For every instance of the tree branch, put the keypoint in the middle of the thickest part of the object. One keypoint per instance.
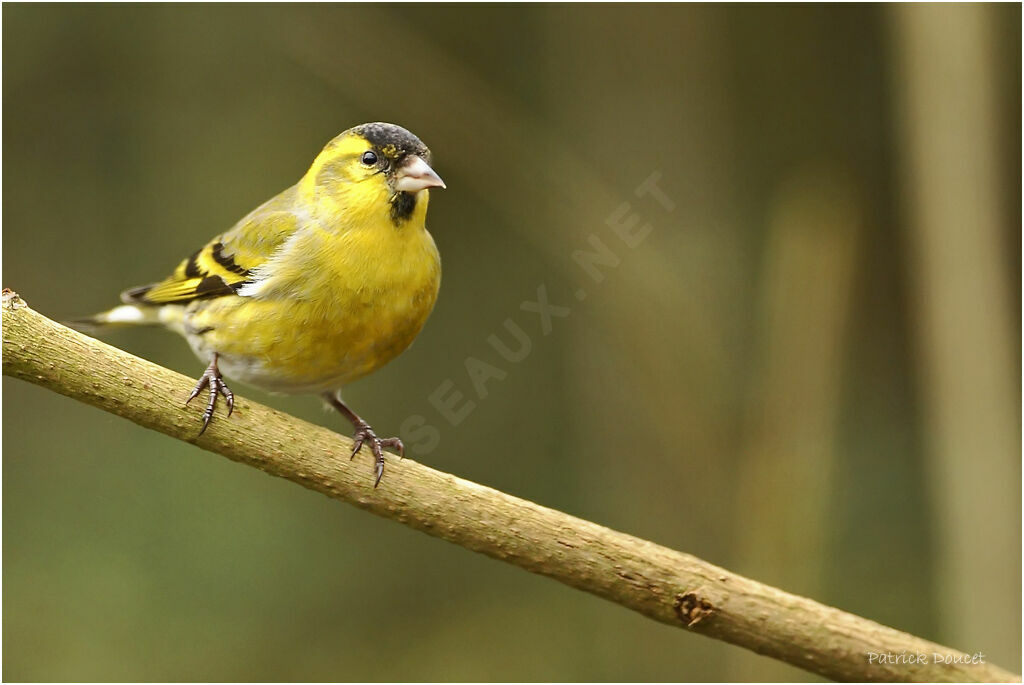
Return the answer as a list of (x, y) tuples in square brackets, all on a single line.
[(660, 583)]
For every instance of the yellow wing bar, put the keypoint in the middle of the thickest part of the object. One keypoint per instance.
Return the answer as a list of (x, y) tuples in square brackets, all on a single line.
[(210, 272)]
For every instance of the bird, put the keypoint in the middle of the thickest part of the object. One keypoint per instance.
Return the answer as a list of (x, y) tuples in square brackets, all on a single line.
[(319, 286)]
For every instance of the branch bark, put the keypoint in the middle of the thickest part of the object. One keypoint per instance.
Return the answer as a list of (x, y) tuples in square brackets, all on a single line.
[(668, 586)]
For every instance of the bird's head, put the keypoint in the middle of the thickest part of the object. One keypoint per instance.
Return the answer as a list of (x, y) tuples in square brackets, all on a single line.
[(373, 169)]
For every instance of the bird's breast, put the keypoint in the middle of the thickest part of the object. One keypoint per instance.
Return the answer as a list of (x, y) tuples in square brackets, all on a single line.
[(349, 306)]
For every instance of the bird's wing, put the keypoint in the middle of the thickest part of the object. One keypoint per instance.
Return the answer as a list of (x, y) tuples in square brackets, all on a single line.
[(225, 263)]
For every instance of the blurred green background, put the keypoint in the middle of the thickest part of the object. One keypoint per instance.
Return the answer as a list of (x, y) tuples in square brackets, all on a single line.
[(808, 372)]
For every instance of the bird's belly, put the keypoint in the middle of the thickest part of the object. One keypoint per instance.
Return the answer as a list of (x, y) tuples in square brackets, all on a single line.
[(300, 347)]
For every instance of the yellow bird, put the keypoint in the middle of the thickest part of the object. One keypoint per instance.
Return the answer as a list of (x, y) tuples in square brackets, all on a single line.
[(318, 286)]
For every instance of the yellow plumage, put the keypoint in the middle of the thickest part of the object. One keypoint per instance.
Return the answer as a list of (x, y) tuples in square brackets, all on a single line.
[(320, 285)]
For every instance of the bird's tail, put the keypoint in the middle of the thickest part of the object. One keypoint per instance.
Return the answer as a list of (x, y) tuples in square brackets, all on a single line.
[(132, 315)]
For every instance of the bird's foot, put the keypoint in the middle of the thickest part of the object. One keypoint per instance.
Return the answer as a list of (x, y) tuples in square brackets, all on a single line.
[(365, 434), (212, 379)]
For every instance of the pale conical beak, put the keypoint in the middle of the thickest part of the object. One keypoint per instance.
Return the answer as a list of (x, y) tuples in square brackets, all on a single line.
[(415, 175)]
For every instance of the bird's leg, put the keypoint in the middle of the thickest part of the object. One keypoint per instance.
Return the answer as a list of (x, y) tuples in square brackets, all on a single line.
[(212, 379), (365, 434)]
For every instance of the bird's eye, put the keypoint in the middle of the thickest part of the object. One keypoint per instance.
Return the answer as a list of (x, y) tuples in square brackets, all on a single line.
[(369, 158)]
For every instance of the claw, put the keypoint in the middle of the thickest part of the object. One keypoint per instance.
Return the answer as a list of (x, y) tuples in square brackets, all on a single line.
[(212, 379), (195, 391), (395, 444), (365, 435)]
